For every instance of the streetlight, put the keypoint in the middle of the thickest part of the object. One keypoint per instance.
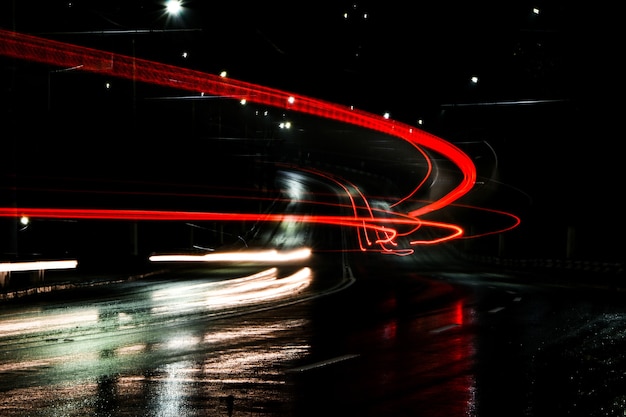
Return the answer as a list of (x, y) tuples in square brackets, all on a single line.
[(174, 7)]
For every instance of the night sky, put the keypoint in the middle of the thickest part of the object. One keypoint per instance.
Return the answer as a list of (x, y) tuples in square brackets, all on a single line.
[(381, 56)]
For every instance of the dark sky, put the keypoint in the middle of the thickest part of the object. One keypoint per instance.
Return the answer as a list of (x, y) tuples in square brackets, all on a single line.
[(401, 58)]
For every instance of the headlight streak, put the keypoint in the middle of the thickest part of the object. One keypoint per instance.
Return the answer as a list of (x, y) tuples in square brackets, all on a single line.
[(269, 255), (261, 287), (264, 286), (65, 55), (37, 265)]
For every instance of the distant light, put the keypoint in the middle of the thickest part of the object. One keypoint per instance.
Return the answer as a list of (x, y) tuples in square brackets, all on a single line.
[(185, 55), (223, 74), (285, 125), (386, 115), (420, 121), (291, 100), (24, 220), (243, 101), (107, 86), (174, 7), (474, 80), (535, 10)]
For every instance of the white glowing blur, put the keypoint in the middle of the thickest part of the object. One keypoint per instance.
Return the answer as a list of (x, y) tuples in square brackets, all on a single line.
[(263, 286), (174, 7), (47, 322), (37, 265), (270, 255)]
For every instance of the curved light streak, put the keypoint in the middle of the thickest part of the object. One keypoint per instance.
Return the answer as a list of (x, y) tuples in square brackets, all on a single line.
[(33, 48), (47, 51)]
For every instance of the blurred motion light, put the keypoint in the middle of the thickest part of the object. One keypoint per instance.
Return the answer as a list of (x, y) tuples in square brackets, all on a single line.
[(37, 265), (249, 256), (363, 217)]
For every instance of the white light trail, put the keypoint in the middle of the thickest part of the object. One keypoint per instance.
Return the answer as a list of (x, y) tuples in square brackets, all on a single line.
[(37, 265)]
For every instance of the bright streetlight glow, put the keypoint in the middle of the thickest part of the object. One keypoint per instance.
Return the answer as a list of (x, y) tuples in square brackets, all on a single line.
[(174, 7)]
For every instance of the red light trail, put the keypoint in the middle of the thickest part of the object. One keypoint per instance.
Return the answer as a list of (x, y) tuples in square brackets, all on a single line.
[(384, 228)]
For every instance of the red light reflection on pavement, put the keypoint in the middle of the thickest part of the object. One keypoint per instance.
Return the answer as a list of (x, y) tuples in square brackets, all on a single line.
[(375, 227)]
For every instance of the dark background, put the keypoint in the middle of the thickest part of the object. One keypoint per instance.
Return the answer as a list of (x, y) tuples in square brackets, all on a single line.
[(547, 100)]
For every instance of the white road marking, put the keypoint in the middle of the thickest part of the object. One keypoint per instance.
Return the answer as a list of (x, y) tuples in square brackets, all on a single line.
[(444, 328), (324, 363)]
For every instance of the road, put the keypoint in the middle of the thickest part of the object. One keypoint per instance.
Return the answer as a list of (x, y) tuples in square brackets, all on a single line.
[(391, 341)]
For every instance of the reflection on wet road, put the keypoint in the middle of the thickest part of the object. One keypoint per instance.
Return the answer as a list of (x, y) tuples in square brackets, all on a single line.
[(398, 344), (147, 349)]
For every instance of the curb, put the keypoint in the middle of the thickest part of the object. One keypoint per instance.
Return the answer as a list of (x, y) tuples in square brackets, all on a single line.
[(68, 285)]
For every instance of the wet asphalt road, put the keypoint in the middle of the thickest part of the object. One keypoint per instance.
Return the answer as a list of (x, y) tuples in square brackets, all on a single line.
[(398, 343)]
